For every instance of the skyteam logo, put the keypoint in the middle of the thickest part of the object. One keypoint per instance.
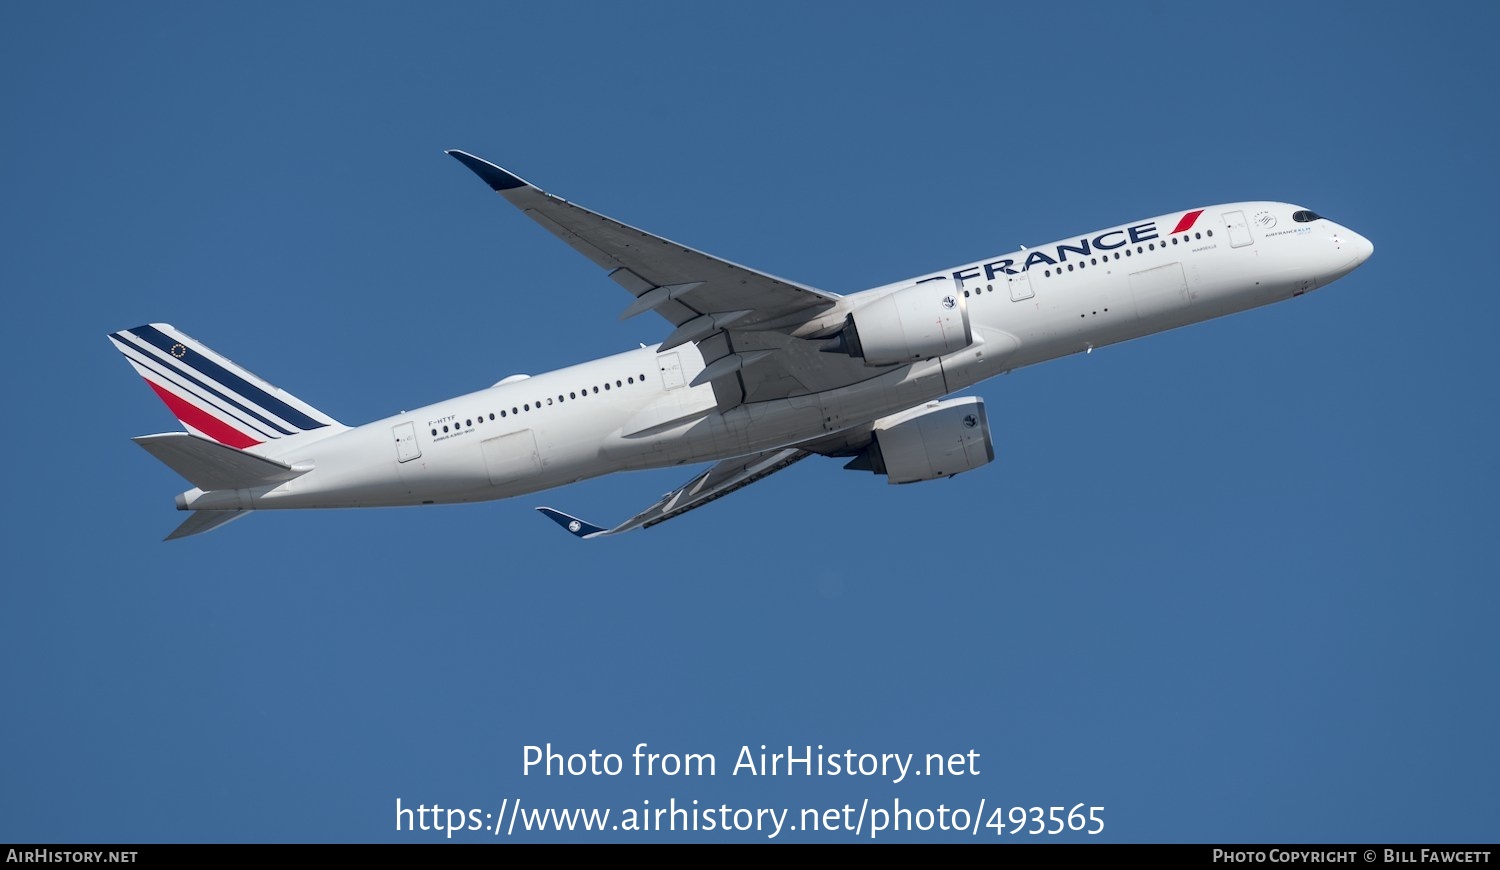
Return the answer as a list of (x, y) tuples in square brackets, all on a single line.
[(949, 302)]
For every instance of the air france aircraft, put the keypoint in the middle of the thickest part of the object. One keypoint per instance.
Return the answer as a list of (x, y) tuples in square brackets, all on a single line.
[(756, 373)]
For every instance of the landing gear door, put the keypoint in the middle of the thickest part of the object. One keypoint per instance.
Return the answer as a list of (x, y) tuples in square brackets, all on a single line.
[(406, 442)]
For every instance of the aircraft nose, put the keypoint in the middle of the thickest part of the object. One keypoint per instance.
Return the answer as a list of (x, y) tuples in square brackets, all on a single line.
[(1351, 248), (1346, 251)]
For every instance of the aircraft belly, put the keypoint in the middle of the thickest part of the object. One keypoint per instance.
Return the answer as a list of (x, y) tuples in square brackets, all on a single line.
[(896, 391), (994, 351), (758, 426), (1222, 285)]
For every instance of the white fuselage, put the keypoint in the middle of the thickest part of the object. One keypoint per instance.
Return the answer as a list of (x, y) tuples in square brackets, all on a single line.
[(637, 410)]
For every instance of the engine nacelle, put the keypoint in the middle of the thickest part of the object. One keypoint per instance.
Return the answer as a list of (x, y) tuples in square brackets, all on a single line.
[(923, 321), (938, 439)]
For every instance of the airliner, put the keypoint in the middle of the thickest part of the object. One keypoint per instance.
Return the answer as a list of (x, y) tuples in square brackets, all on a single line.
[(756, 373)]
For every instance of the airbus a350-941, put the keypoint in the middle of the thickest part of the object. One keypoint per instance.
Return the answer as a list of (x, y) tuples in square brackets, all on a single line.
[(755, 373)]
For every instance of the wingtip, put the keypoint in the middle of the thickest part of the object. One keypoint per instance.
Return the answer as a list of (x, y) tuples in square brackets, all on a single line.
[(498, 179), (571, 524)]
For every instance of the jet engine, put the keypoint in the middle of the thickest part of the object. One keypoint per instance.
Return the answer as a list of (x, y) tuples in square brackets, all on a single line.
[(938, 439), (919, 322)]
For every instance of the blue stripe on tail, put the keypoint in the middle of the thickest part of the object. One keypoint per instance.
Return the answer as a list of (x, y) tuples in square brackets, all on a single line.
[(215, 372)]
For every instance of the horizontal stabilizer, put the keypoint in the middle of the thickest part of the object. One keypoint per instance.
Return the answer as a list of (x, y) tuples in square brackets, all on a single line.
[(204, 521), (210, 465)]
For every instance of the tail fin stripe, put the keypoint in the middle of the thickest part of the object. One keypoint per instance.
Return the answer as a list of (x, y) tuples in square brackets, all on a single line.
[(218, 374), (150, 366), (204, 404), (192, 415)]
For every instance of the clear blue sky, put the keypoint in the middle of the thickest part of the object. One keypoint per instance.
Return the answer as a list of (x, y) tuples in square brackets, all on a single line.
[(1233, 583)]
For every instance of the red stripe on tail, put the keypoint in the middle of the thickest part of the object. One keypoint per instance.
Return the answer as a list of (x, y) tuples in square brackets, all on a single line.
[(1187, 222), (199, 419)]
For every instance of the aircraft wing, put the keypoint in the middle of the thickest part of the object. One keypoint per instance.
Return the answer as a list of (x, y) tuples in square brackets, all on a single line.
[(719, 480), (741, 319), (677, 282)]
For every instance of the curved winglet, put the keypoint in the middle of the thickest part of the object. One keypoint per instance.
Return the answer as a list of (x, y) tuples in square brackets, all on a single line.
[(497, 178), (574, 526)]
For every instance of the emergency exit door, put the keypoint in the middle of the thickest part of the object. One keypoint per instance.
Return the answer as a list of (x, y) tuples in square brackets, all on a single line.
[(1239, 230), (406, 442)]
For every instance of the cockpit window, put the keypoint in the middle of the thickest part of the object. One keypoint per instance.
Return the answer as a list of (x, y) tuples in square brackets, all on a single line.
[(1304, 217)]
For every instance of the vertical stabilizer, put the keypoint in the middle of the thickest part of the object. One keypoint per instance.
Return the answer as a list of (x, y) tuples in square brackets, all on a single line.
[(212, 396)]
